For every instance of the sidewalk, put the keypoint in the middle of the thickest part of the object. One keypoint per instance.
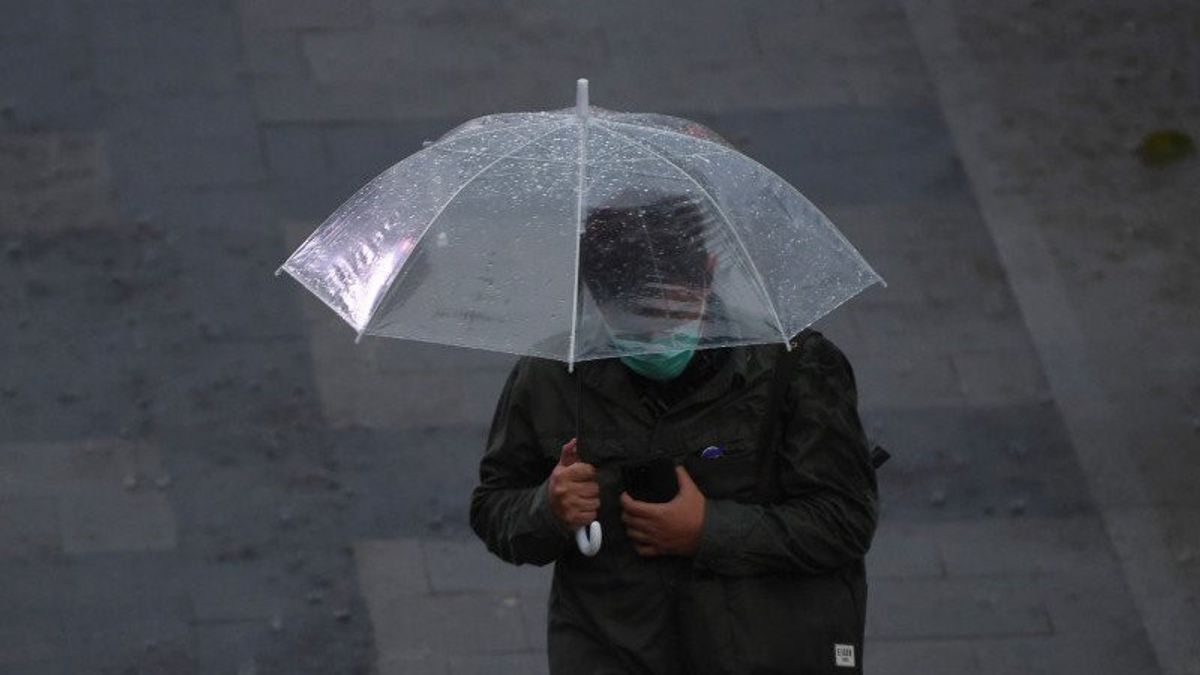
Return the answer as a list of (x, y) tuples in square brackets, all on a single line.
[(208, 476)]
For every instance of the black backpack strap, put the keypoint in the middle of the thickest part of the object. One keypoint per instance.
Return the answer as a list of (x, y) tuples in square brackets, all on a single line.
[(879, 456), (785, 366)]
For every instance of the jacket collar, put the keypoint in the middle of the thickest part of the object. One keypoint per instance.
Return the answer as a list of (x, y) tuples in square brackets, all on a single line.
[(611, 379)]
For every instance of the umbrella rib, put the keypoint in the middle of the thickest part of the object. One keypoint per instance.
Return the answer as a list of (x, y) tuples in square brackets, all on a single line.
[(578, 241), (483, 132), (392, 277), (762, 287)]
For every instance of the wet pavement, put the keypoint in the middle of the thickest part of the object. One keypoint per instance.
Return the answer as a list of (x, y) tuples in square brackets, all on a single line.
[(200, 472)]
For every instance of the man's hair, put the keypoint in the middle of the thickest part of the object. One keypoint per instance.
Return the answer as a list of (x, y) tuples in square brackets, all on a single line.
[(628, 251)]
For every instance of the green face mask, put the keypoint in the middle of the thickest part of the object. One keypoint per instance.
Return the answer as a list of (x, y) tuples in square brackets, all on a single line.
[(664, 365)]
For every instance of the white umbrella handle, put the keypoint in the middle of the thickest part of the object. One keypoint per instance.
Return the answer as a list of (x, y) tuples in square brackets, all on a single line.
[(588, 546)]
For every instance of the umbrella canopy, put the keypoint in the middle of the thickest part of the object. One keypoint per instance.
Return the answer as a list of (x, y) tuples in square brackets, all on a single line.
[(576, 234)]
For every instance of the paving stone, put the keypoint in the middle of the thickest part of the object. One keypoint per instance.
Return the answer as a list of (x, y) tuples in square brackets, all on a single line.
[(107, 521), (920, 380), (955, 608), (164, 56), (274, 53), (845, 155), (997, 546), (982, 461), (389, 571), (295, 152), (283, 100), (174, 120), (230, 647), (307, 14), (1092, 604), (30, 528), (535, 610), (459, 566), (52, 667), (122, 645), (417, 663), (108, 591), (221, 161), (500, 663), (51, 182), (63, 468), (905, 550), (242, 592), (39, 594), (1156, 548), (437, 624), (887, 227), (99, 489), (1038, 655), (920, 657)]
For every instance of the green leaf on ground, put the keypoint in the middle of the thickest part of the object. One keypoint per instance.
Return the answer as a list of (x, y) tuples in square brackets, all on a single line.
[(1165, 146)]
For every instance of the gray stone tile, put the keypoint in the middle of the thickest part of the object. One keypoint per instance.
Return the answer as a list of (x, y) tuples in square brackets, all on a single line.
[(999, 546), (230, 647), (963, 463), (416, 663), (35, 598), (839, 156), (922, 380), (1046, 655), (135, 645), (107, 521), (306, 14), (390, 570), (61, 468), (359, 152), (447, 624), (167, 58), (273, 53), (955, 608), (243, 592), (52, 667), (524, 664), (1156, 547), (920, 657), (904, 550), (295, 152), (458, 566), (52, 182), (111, 589), (291, 99), (998, 377), (535, 611), (1093, 603), (219, 161), (172, 121), (30, 528)]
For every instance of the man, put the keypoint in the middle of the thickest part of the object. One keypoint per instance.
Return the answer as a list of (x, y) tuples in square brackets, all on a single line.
[(558, 439)]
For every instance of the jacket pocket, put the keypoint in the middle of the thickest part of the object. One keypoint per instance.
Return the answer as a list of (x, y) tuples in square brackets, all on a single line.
[(731, 474)]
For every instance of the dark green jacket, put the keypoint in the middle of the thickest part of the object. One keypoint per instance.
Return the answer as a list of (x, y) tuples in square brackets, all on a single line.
[(616, 612)]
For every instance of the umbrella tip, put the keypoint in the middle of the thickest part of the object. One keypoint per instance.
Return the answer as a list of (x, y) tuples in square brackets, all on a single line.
[(581, 97)]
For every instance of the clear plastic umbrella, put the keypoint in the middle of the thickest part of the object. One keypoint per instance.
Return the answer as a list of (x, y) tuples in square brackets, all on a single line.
[(579, 234)]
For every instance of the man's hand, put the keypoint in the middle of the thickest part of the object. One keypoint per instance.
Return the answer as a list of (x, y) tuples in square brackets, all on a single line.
[(671, 528), (574, 492)]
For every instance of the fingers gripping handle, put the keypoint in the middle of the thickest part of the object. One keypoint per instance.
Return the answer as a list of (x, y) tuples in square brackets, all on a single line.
[(586, 538)]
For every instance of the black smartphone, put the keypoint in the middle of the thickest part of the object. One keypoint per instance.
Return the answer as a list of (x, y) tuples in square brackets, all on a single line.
[(651, 480)]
